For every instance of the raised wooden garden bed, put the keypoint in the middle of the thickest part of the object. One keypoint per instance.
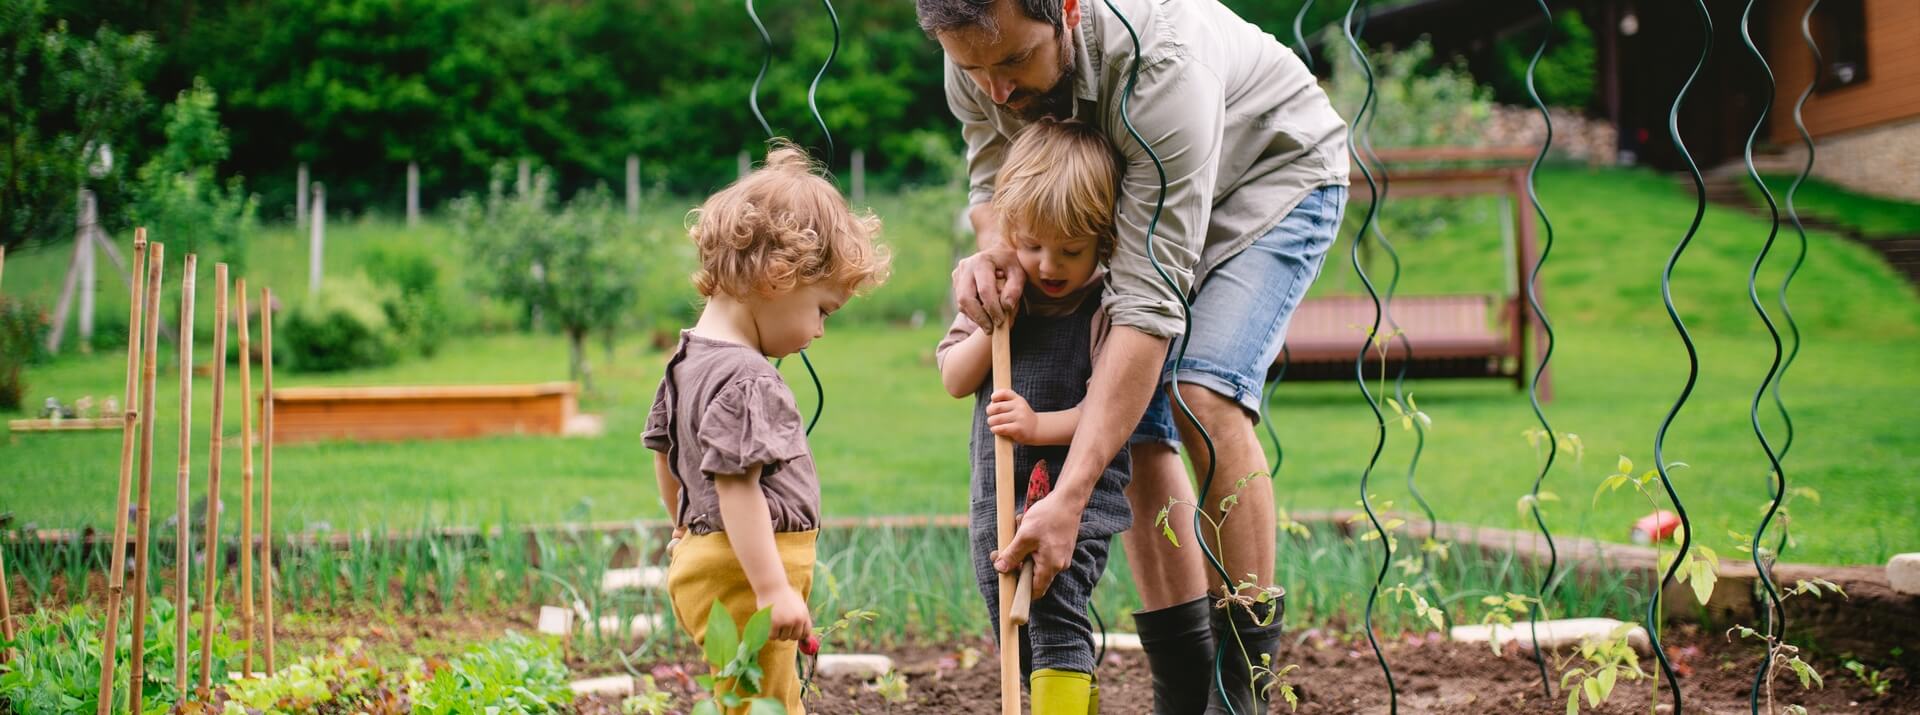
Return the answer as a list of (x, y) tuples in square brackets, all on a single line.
[(309, 414), (70, 424)]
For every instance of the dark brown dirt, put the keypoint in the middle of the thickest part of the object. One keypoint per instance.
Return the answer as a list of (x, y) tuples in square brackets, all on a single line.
[(1433, 676)]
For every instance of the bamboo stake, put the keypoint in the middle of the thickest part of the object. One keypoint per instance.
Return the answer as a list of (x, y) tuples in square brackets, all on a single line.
[(211, 585), (117, 577), (1003, 516), (183, 519), (246, 479), (143, 512), (6, 604), (266, 465)]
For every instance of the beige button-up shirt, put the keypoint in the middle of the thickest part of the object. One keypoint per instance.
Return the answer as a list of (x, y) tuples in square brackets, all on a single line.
[(1239, 123)]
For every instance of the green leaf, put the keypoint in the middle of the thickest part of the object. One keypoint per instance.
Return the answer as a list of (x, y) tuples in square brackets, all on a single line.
[(723, 638), (1702, 581), (1573, 702), (1806, 673), (765, 706), (759, 626), (1592, 688), (1626, 465), (706, 707), (1607, 678)]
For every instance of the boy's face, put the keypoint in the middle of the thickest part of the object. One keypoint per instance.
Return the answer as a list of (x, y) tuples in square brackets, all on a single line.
[(788, 322), (1055, 263)]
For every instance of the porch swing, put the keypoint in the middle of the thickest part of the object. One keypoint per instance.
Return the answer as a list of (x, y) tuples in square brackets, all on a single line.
[(1472, 335)]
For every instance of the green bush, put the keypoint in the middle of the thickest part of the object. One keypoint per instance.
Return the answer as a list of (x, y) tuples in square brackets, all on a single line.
[(417, 308), (345, 328), (23, 342)]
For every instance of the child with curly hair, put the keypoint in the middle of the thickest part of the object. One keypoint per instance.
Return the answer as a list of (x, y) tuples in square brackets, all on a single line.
[(780, 250)]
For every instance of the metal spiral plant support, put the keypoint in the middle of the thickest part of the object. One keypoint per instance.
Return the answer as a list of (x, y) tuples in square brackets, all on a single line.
[(1186, 313), (1800, 256), (753, 104), (1546, 354), (1693, 360), (766, 60), (1359, 362), (815, 87), (1774, 625), (1306, 50)]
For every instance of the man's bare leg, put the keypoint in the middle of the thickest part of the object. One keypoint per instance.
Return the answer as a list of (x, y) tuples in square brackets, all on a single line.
[(1248, 534), (1165, 575)]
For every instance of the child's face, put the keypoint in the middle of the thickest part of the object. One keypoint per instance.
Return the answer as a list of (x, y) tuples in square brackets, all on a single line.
[(1056, 264), (788, 322)]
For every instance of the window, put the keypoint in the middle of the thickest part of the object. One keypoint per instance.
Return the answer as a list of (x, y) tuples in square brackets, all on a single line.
[(1840, 26)]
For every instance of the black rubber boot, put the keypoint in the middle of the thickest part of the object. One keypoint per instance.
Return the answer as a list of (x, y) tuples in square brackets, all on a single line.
[(1179, 645), (1235, 628)]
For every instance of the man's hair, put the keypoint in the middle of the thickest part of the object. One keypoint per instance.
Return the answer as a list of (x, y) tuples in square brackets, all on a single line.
[(938, 16), (1060, 176)]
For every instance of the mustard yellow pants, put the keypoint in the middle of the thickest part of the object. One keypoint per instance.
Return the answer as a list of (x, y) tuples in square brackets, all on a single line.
[(703, 569)]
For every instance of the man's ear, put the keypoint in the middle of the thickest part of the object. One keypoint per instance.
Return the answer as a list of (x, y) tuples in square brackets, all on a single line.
[(1070, 13)]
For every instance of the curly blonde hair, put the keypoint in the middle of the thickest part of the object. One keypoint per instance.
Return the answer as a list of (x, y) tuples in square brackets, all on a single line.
[(781, 227), (1060, 176)]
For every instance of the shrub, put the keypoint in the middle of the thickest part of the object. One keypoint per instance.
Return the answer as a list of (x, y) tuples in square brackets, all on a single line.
[(55, 669), (1566, 74), (418, 308), (23, 342), (177, 196), (345, 328)]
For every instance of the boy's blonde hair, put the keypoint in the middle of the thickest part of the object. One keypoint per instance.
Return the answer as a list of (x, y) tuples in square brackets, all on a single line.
[(781, 227), (1060, 176)]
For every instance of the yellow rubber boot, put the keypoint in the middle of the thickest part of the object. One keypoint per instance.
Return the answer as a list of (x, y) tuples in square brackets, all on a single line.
[(1093, 700), (1061, 692)]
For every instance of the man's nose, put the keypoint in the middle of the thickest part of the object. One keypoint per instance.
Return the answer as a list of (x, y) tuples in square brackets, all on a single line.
[(1000, 88)]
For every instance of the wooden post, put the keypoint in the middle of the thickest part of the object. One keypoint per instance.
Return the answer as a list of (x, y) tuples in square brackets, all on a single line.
[(117, 573), (6, 604), (246, 479), (211, 580), (68, 287), (183, 519), (1003, 517), (859, 177), (633, 187), (300, 197), (316, 239), (746, 163), (523, 181), (89, 279), (143, 512), (266, 465), (413, 194)]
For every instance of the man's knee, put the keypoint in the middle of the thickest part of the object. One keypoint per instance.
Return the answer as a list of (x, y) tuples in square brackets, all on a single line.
[(1214, 410)]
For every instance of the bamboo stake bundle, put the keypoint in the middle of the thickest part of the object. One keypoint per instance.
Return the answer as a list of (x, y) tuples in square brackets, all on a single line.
[(246, 479), (1003, 517), (130, 415), (211, 587), (266, 465), (183, 515), (143, 513)]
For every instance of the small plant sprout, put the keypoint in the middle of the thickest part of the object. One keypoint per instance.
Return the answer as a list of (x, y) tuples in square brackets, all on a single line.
[(1421, 608), (651, 700), (1875, 680), (892, 687), (1502, 609), (1607, 661), (1409, 413)]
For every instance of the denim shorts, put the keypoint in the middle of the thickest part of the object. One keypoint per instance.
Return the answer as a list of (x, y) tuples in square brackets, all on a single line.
[(1241, 311)]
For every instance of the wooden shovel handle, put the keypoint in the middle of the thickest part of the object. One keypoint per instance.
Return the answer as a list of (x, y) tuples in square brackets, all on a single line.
[(1022, 596), (1003, 513)]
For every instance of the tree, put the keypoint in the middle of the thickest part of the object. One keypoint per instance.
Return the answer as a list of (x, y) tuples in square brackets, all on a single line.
[(62, 97), (177, 195), (575, 265)]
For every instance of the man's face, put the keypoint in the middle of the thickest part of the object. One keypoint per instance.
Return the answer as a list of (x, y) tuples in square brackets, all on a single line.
[(1025, 66)]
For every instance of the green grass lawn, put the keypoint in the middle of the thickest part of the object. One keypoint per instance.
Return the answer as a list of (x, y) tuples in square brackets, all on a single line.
[(1872, 216), (891, 442)]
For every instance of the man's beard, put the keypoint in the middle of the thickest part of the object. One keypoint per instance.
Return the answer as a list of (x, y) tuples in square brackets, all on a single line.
[(1056, 102)]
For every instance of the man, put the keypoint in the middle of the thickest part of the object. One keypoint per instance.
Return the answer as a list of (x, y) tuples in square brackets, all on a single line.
[(1255, 183)]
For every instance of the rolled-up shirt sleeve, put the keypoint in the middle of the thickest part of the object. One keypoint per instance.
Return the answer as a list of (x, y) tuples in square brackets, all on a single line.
[(1177, 109), (986, 146)]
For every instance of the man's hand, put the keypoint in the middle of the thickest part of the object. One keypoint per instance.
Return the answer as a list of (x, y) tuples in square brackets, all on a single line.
[(791, 619), (1009, 416), (1047, 533), (986, 286)]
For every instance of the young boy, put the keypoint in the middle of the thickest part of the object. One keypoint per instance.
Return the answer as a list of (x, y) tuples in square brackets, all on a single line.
[(1055, 195)]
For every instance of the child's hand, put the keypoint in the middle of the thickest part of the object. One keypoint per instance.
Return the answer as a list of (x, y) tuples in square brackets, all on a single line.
[(791, 619), (1009, 416)]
